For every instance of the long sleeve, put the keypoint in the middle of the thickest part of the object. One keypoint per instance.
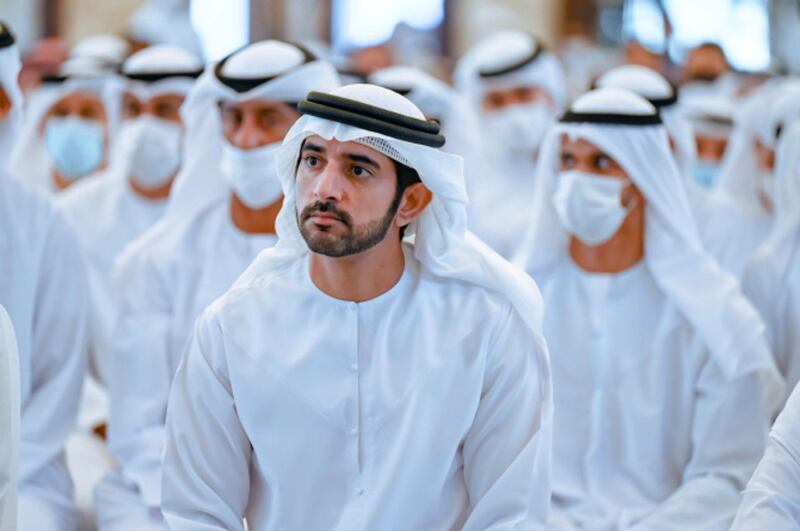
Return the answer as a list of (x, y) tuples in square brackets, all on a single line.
[(207, 453), (58, 352), (140, 375), (728, 437), (507, 451)]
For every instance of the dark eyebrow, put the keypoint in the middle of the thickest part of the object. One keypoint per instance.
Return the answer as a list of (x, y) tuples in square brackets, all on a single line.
[(364, 160), (308, 146)]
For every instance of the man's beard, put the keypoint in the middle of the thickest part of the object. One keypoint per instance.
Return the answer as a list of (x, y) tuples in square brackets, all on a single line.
[(356, 239)]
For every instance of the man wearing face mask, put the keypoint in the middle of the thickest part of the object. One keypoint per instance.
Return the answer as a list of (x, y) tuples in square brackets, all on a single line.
[(518, 88), (110, 209), (663, 381), (68, 126), (43, 287), (712, 119), (221, 215)]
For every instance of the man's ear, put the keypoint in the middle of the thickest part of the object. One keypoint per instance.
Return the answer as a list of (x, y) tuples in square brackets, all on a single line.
[(5, 103), (415, 199)]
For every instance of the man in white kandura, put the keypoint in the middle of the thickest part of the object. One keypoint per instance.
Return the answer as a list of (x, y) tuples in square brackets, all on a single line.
[(772, 279), (9, 422), (352, 379), (44, 289), (518, 88), (664, 384), (221, 215)]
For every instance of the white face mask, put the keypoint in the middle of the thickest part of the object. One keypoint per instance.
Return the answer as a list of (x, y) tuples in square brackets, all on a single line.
[(152, 150), (590, 206), (521, 127), (252, 174)]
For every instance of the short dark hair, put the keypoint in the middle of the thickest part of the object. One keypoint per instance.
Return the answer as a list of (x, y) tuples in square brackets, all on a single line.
[(406, 176)]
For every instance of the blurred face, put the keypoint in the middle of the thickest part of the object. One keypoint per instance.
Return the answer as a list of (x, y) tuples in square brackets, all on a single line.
[(636, 54), (765, 157), (164, 106), (78, 105), (495, 100), (346, 196), (256, 123), (5, 103), (706, 63), (710, 148), (583, 156)]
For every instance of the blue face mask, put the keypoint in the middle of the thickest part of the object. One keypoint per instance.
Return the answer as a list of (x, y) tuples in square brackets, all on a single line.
[(704, 174), (75, 145)]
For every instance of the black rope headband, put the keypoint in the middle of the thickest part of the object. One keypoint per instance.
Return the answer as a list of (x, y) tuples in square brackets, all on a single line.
[(606, 118), (6, 37), (152, 77), (525, 61), (371, 118), (241, 84)]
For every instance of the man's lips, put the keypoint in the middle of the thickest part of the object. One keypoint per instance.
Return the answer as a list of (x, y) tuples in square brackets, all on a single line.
[(324, 216)]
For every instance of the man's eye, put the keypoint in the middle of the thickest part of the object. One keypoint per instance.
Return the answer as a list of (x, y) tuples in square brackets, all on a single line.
[(360, 171), (567, 160), (602, 162), (311, 161)]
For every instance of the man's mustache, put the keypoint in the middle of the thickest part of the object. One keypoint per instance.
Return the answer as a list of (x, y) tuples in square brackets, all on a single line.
[(328, 208)]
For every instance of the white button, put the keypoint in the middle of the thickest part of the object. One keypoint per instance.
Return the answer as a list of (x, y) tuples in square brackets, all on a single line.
[(354, 367), (354, 432), (360, 492)]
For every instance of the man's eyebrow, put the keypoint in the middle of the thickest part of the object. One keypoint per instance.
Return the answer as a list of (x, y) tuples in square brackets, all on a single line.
[(310, 146), (363, 159)]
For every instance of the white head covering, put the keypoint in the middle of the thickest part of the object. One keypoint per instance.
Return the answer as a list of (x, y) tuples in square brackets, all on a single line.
[(267, 70), (161, 69), (709, 298), (655, 88), (30, 160), (165, 22), (739, 169), (9, 422), (437, 101), (110, 49), (439, 236), (9, 73), (504, 49)]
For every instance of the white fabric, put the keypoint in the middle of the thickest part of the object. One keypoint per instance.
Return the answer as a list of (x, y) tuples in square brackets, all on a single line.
[(772, 498), (165, 22), (501, 191), (30, 161), (649, 432), (9, 73), (446, 268), (674, 254), (772, 279), (198, 183), (106, 215), (44, 290), (160, 59), (410, 424), (104, 46), (165, 280), (9, 423)]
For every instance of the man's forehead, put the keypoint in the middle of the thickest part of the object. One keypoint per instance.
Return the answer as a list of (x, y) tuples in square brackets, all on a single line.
[(337, 147), (578, 143), (79, 96), (255, 103)]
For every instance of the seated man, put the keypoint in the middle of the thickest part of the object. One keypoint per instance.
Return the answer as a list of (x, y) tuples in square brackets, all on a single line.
[(772, 279), (517, 88), (664, 384), (221, 215), (43, 287), (354, 380)]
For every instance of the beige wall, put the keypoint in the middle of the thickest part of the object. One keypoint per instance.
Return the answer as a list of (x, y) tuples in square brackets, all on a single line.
[(81, 18), (476, 18)]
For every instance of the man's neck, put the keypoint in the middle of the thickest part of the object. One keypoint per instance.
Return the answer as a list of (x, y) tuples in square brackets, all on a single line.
[(360, 277), (254, 220), (153, 194), (623, 251), (60, 181)]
